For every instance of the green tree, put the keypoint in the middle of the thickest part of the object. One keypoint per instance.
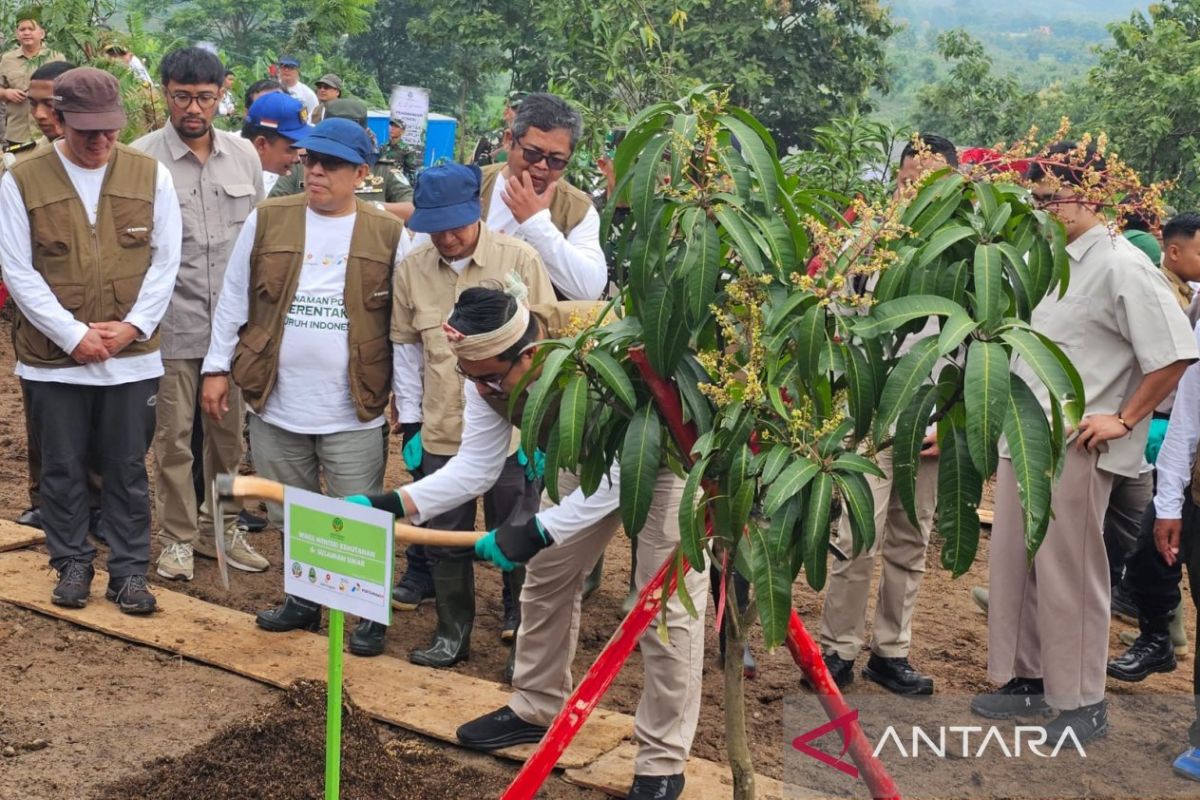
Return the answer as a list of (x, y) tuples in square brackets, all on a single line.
[(1144, 92)]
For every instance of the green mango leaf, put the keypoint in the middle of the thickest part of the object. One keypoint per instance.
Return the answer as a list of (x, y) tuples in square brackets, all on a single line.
[(781, 531), (540, 397), (773, 463), (860, 508), (554, 464), (688, 377), (990, 302), (784, 314), (946, 198), (701, 267), (985, 395), (861, 390), (685, 597), (640, 458), (959, 490), (1028, 437), (892, 314), (909, 374), (816, 530), (810, 338), (906, 447), (955, 331), (1052, 368), (612, 376), (941, 241), (772, 589), (790, 481), (572, 417), (666, 329), (762, 163), (692, 508), (998, 219), (744, 244), (647, 253), (858, 464), (644, 187)]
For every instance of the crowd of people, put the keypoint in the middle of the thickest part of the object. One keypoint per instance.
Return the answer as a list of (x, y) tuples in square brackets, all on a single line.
[(289, 282)]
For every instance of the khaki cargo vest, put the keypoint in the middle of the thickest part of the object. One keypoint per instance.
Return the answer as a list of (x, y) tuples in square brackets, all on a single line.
[(275, 263), (96, 272), (567, 209)]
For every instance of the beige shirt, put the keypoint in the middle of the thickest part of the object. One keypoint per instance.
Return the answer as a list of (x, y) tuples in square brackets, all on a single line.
[(424, 291), (15, 69), (214, 200), (1118, 322)]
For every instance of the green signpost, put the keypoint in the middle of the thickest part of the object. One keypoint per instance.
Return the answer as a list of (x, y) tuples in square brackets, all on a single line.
[(340, 555)]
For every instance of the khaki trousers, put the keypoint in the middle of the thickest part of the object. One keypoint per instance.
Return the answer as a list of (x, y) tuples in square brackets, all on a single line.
[(1050, 620), (666, 717), (174, 492), (903, 546)]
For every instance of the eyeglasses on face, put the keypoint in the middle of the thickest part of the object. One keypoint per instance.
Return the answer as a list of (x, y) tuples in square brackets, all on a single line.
[(184, 100), (533, 156), (493, 382)]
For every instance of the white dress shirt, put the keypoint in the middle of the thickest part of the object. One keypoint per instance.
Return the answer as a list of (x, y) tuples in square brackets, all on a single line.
[(1178, 449)]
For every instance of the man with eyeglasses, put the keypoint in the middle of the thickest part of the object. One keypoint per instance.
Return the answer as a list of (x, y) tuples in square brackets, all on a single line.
[(89, 239), (302, 329), (461, 253), (218, 182)]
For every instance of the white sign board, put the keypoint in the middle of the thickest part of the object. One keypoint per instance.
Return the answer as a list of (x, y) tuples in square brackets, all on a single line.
[(411, 104), (338, 554)]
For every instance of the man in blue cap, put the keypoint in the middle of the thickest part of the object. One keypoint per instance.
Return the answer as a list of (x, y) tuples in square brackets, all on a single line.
[(289, 78), (273, 124), (461, 252), (308, 284)]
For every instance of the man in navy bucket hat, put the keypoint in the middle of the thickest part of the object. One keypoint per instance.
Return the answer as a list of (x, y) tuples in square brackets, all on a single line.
[(308, 285), (461, 253)]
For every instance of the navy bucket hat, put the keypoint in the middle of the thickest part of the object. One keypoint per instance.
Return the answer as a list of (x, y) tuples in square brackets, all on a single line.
[(446, 197)]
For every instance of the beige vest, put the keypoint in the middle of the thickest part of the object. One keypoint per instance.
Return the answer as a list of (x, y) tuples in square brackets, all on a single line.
[(275, 264), (95, 271)]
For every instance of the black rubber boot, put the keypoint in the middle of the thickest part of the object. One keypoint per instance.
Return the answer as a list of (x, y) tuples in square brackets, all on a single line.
[(295, 613), (513, 581), (592, 582), (367, 639), (454, 588)]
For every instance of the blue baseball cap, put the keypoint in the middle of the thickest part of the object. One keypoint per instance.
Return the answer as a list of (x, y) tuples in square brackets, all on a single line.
[(288, 61), (340, 138), (281, 112), (446, 197)]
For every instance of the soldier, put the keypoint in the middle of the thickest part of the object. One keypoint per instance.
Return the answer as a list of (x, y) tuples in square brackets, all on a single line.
[(329, 87), (384, 185), (397, 153)]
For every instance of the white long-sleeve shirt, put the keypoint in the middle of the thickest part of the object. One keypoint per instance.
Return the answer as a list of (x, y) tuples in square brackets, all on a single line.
[(477, 466), (1178, 449), (41, 307)]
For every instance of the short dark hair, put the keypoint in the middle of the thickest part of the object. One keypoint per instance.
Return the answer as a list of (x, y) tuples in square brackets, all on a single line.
[(1060, 162), (251, 131), (51, 70), (192, 65), (229, 72), (547, 112), (265, 86), (1181, 226), (938, 145), (482, 310)]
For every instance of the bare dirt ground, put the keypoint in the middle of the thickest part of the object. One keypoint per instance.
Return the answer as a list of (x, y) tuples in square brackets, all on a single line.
[(110, 712)]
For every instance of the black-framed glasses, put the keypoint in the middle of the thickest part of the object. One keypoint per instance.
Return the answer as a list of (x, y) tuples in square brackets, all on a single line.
[(493, 382), (184, 100), (325, 162), (533, 156)]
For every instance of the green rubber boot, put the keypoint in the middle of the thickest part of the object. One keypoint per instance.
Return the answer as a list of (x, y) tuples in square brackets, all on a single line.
[(592, 582), (1178, 631), (454, 591)]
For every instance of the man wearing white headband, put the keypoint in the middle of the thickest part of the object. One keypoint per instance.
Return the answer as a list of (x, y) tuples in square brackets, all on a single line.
[(494, 338)]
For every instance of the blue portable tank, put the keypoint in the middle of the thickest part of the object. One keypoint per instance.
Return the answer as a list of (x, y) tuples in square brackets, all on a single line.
[(441, 132), (377, 121)]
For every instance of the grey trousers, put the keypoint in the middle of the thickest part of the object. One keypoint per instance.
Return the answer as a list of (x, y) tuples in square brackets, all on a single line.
[(116, 423), (350, 462)]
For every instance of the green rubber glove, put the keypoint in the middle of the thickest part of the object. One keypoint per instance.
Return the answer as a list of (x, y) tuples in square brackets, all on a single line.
[(535, 469), (389, 501), (413, 452), (1158, 432), (489, 550), (358, 499)]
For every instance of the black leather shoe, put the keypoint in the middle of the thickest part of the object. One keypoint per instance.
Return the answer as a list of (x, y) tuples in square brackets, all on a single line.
[(407, 595), (295, 613), (1020, 697), (897, 675), (1122, 603), (656, 787), (841, 670), (31, 517), (251, 522), (1086, 723), (501, 728), (74, 585), (1150, 652), (367, 639)]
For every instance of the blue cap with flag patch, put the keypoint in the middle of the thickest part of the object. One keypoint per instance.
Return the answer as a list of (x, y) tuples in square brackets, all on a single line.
[(281, 112)]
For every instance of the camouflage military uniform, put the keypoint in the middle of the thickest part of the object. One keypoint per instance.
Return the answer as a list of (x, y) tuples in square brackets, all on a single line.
[(401, 156), (385, 184)]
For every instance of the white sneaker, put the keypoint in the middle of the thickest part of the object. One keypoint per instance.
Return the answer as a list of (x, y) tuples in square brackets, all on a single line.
[(240, 554), (175, 562)]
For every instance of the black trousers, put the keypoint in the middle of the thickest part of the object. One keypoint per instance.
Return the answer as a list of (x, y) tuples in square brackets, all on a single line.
[(1155, 585), (34, 457), (116, 424)]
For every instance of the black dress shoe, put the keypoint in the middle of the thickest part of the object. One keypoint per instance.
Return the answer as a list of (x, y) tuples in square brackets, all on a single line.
[(407, 595), (897, 675), (293, 614), (1150, 652), (841, 670), (31, 517), (1020, 697), (367, 639), (1086, 723), (656, 787), (251, 522), (501, 728)]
